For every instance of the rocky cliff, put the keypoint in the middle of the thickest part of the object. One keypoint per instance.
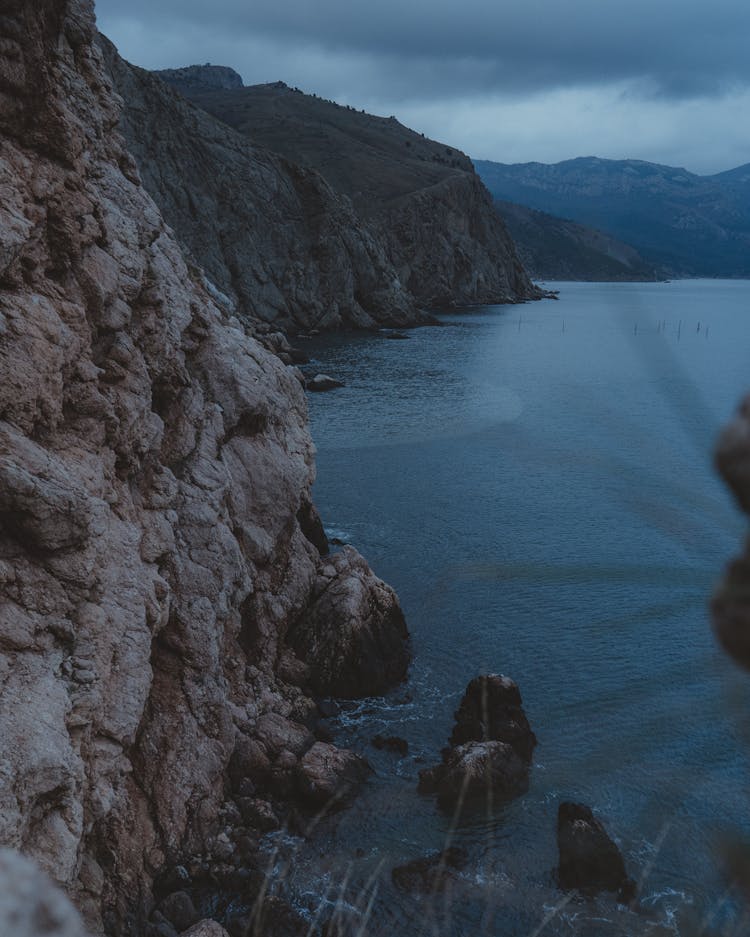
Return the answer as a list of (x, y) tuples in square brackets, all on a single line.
[(271, 235), (155, 473), (369, 222)]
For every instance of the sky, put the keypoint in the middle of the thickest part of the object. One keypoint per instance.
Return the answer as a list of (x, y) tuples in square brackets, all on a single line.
[(661, 80)]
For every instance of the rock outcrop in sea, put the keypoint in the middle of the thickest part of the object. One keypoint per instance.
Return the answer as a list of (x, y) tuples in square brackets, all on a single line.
[(297, 222), (489, 756), (155, 523)]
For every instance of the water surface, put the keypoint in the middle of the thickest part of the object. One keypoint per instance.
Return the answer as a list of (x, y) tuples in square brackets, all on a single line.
[(536, 483)]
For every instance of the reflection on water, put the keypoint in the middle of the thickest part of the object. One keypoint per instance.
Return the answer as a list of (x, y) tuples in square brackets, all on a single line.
[(536, 483)]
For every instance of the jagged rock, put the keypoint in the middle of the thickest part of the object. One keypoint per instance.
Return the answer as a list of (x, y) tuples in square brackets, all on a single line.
[(476, 773), (392, 743), (490, 749), (258, 814), (589, 859), (432, 873), (323, 382), (352, 637), (154, 459), (491, 710), (31, 905), (328, 776)]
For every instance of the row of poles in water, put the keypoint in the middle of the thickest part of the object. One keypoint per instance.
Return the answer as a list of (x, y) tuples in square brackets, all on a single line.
[(661, 327)]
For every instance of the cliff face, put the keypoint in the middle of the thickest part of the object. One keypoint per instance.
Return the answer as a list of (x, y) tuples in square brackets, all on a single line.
[(155, 468), (369, 223), (273, 236)]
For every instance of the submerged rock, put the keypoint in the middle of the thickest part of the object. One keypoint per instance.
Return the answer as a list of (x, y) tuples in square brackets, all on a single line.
[(589, 859), (323, 382), (392, 743), (431, 873)]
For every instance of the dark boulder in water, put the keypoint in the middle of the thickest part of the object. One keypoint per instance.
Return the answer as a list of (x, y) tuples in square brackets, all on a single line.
[(491, 710), (589, 859), (392, 743), (490, 749), (431, 873), (474, 774)]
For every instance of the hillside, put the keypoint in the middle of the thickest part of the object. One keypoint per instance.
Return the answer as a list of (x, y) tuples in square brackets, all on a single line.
[(557, 249), (688, 224), (420, 199)]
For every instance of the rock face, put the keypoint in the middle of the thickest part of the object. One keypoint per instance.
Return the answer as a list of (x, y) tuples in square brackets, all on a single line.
[(206, 77), (154, 461), (490, 750), (589, 859), (357, 222), (353, 636), (273, 236)]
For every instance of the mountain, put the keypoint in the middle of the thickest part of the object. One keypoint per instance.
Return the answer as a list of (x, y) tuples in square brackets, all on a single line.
[(420, 201), (687, 224), (557, 249)]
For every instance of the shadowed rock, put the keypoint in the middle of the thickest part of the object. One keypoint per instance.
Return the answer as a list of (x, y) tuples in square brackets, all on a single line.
[(490, 749), (328, 776), (491, 711), (431, 873), (589, 859)]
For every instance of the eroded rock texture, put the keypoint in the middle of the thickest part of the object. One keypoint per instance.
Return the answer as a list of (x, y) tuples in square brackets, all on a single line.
[(153, 464), (312, 215)]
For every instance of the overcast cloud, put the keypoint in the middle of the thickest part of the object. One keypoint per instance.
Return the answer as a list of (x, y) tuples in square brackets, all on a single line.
[(665, 80)]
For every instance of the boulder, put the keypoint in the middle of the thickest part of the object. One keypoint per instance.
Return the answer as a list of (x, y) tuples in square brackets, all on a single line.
[(353, 636), (179, 910), (491, 710), (392, 743), (474, 773), (490, 749), (431, 873), (589, 859), (329, 777)]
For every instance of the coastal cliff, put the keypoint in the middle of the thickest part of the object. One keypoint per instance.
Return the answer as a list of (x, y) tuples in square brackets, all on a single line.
[(155, 475), (311, 215)]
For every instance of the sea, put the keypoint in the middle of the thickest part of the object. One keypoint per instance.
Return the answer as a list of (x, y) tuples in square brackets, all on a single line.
[(537, 483)]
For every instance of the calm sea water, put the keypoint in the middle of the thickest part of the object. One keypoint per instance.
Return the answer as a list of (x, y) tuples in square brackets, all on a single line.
[(536, 483)]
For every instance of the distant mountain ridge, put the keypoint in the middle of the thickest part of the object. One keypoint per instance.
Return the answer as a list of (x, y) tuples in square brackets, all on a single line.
[(554, 248), (681, 222)]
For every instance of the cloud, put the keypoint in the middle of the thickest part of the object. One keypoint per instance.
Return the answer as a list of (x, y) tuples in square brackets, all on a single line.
[(422, 47), (569, 76)]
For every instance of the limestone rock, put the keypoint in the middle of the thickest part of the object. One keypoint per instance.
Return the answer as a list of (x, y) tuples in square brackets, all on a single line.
[(323, 382), (154, 459), (589, 859), (205, 928), (328, 776), (353, 635)]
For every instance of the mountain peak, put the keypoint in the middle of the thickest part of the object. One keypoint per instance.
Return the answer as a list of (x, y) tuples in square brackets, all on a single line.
[(208, 77)]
